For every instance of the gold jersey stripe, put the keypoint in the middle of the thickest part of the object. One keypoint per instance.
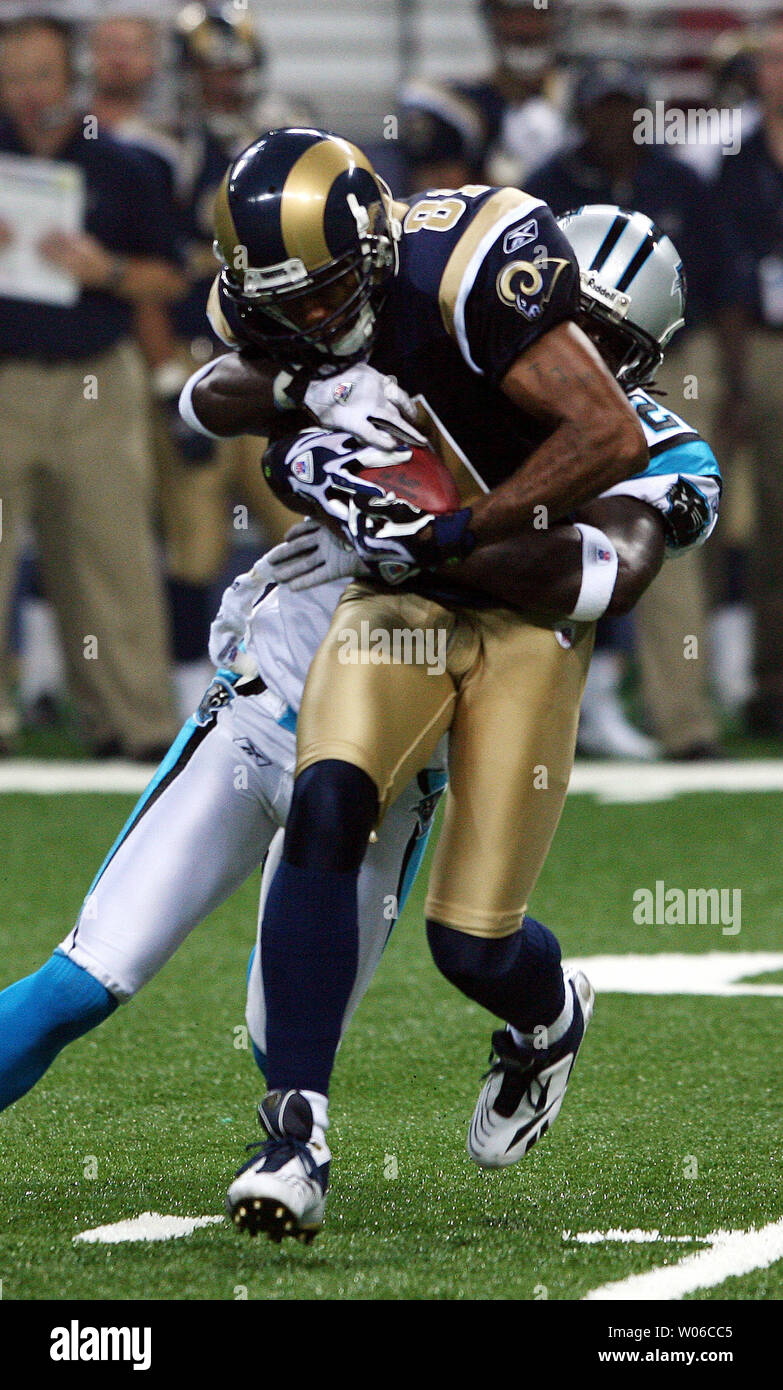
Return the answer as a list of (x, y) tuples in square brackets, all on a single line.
[(216, 316), (502, 202), (305, 192), (469, 481)]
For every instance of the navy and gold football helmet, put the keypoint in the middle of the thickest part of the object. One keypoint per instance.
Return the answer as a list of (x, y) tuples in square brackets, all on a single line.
[(307, 238), (218, 36)]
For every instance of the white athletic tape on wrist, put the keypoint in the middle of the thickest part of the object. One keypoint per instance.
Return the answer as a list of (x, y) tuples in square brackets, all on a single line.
[(599, 574), (186, 402)]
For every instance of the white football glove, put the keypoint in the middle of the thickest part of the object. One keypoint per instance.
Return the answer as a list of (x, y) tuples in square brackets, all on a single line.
[(230, 625), (366, 404), (323, 467), (311, 555)]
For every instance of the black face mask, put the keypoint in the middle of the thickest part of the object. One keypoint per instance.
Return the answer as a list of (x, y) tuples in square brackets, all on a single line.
[(285, 342)]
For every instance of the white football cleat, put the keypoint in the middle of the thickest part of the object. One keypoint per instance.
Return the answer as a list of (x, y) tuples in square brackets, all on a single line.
[(281, 1190), (524, 1088)]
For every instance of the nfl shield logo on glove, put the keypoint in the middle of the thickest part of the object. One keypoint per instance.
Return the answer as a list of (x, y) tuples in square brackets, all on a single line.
[(395, 571), (302, 467)]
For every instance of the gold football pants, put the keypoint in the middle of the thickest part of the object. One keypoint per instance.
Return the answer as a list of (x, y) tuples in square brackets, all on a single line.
[(396, 671)]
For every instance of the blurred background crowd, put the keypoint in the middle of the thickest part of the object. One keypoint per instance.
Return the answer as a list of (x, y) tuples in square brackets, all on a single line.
[(119, 526)]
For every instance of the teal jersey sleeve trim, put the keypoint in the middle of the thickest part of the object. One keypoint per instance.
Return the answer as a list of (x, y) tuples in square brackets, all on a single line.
[(288, 719), (695, 457)]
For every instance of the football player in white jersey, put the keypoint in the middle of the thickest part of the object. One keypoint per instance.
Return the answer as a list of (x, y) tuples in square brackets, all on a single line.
[(202, 826)]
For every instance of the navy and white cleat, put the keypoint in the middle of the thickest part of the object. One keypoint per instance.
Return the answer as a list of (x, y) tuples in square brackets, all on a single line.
[(525, 1087), (281, 1190)]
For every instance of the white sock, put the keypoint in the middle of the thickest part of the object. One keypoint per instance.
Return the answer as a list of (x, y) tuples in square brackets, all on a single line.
[(319, 1105)]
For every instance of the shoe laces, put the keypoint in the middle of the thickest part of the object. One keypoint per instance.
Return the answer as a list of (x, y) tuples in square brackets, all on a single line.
[(281, 1150), (506, 1057), (516, 1065)]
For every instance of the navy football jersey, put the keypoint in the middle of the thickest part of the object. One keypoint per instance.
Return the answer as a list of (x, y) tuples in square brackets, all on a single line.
[(483, 273), (453, 121)]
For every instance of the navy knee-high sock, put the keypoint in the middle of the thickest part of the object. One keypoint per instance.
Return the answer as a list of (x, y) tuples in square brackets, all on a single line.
[(309, 956), (39, 1015), (310, 932), (516, 977)]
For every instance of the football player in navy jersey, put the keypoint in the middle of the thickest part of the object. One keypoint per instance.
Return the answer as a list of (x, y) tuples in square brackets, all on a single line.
[(167, 868), (469, 298), (497, 127)]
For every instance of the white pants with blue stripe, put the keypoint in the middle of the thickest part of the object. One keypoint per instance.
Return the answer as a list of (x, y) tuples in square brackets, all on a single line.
[(206, 821)]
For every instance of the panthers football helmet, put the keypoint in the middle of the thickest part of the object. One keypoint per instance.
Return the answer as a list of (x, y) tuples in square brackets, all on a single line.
[(633, 289), (307, 239)]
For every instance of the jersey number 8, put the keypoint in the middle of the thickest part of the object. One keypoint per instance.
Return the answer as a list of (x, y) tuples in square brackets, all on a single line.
[(441, 210)]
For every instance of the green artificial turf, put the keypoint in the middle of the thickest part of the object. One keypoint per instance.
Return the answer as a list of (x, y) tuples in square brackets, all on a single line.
[(159, 1101)]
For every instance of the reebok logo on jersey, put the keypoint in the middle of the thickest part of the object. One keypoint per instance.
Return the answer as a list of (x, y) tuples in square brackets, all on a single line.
[(247, 746), (520, 236)]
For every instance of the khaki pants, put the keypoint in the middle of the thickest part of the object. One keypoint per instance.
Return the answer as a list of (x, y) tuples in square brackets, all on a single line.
[(673, 610), (765, 375), (76, 462)]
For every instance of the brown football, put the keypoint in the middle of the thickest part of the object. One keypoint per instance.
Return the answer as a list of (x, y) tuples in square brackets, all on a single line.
[(422, 479)]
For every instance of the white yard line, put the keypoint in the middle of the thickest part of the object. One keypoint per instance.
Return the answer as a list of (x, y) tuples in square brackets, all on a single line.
[(150, 1225), (610, 782), (639, 782), (634, 1237), (53, 778), (731, 1253), (715, 973)]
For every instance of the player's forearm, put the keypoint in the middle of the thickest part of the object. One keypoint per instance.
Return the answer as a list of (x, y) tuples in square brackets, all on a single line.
[(596, 439), (235, 397), (536, 572), (541, 572), (576, 463)]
